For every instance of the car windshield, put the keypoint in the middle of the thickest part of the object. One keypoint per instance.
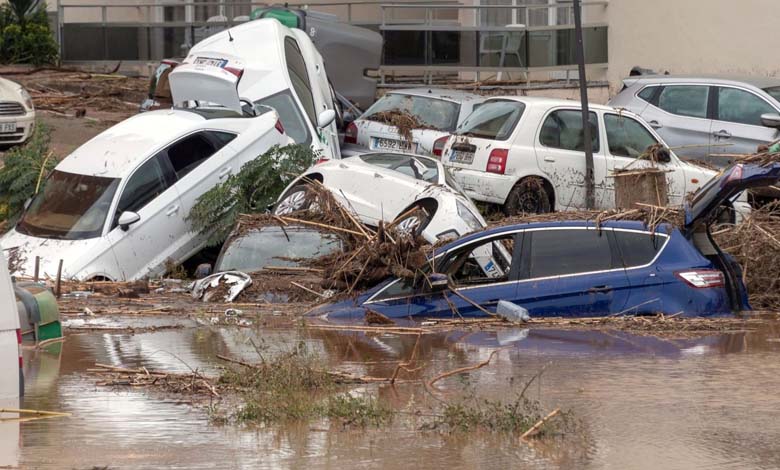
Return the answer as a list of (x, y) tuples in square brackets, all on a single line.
[(274, 246), (431, 112), (774, 92), (418, 168), (493, 120), (69, 207)]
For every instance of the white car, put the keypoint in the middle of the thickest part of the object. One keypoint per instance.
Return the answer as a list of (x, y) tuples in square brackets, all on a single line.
[(386, 186), (509, 145), (17, 114), (11, 375), (116, 207), (440, 110), (277, 67)]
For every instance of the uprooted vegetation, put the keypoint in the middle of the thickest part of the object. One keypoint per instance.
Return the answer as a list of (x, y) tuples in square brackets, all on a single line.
[(404, 121)]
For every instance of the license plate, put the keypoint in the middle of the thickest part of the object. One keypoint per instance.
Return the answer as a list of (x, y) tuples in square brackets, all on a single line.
[(211, 62), (7, 127), (391, 144), (457, 156)]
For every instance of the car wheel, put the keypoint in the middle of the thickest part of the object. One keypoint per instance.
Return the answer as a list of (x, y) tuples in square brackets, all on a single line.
[(299, 198), (529, 196), (413, 222)]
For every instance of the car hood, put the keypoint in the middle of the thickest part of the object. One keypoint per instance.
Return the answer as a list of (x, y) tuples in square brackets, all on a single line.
[(724, 186), (9, 91), (76, 254)]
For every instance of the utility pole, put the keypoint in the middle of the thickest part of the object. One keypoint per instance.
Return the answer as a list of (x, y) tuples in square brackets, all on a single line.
[(590, 186)]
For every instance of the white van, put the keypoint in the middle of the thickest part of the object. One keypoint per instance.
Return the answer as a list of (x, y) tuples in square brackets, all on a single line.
[(11, 376)]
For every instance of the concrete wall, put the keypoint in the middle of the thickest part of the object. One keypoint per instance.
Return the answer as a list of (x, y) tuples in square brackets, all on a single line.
[(738, 37)]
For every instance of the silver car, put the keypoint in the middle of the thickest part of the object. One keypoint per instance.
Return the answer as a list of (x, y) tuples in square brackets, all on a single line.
[(704, 117)]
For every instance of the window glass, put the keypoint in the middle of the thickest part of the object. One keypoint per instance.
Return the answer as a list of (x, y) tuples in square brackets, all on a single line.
[(69, 207), (638, 249), (561, 252), (647, 93), (431, 112), (742, 107), (221, 138), (486, 263), (563, 130), (774, 92), (495, 120), (685, 100), (417, 168), (299, 77), (290, 115), (626, 137), (188, 153), (144, 185)]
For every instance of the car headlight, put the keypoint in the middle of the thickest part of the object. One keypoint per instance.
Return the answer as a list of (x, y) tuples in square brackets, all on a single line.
[(26, 99), (468, 216)]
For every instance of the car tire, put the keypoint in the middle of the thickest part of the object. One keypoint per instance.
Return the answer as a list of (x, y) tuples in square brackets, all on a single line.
[(299, 198), (413, 222), (529, 196)]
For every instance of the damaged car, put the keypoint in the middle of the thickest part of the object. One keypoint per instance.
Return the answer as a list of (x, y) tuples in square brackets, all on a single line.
[(389, 187), (417, 121), (578, 268)]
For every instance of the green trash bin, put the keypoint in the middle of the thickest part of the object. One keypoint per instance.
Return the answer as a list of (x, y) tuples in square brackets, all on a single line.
[(287, 17)]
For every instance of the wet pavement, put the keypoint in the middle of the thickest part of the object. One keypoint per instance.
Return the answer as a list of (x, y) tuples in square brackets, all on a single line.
[(644, 401)]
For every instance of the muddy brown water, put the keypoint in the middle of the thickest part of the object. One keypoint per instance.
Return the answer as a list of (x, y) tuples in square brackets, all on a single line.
[(644, 402)]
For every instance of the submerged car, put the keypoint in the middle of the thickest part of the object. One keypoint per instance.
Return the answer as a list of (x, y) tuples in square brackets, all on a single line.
[(575, 268), (386, 187), (17, 114), (527, 155), (11, 373), (439, 111), (116, 208)]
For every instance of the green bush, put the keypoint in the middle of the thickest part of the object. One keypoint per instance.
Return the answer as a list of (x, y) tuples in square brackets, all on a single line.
[(25, 36)]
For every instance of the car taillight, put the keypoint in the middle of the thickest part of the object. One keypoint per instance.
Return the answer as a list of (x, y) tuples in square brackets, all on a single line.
[(497, 161), (19, 342), (351, 134), (735, 175), (279, 127), (438, 145), (234, 71), (322, 160), (702, 278)]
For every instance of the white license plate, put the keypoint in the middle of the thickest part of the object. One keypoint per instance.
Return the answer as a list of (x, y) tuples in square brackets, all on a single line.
[(211, 62), (457, 156), (380, 143), (7, 127)]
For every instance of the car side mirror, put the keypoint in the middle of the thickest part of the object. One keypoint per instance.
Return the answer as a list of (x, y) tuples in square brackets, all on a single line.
[(438, 282), (771, 120), (325, 118), (127, 219), (664, 155)]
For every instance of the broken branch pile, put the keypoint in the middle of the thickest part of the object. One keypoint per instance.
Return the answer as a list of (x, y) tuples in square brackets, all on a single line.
[(192, 383), (404, 121), (652, 216)]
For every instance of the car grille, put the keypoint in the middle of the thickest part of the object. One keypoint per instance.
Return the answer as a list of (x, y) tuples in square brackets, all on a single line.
[(11, 108)]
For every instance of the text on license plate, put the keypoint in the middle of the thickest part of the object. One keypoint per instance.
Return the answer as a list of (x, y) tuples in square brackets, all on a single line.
[(211, 62), (7, 127), (458, 156), (391, 144)]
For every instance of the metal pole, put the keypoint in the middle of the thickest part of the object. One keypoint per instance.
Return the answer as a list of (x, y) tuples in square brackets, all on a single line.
[(590, 197)]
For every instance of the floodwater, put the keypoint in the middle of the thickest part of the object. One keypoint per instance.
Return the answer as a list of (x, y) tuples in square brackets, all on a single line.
[(644, 402)]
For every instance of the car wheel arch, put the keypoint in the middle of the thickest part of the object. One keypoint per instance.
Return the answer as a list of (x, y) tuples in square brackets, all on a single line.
[(546, 184)]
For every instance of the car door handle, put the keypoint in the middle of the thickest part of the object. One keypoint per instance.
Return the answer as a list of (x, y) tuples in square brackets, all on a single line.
[(723, 134), (377, 175), (172, 210), (600, 289), (655, 124), (224, 172), (549, 159)]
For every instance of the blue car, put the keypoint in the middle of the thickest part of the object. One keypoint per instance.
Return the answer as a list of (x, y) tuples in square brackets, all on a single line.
[(575, 269)]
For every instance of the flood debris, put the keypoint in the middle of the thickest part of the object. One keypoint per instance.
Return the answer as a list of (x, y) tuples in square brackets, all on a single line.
[(404, 121), (227, 284), (180, 383)]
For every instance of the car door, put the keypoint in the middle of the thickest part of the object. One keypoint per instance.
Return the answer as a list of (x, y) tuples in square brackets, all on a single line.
[(571, 272), (143, 248), (638, 250), (736, 125), (679, 114), (560, 153), (627, 139)]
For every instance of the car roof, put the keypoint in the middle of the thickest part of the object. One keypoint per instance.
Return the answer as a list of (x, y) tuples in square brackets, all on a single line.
[(550, 102), (121, 148), (440, 93), (758, 82)]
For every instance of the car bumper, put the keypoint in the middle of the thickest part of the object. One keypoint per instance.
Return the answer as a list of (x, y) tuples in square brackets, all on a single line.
[(25, 124), (483, 186)]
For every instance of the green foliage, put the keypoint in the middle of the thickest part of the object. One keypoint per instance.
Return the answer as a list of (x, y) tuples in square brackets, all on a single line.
[(25, 36), (25, 166), (256, 186), (469, 415)]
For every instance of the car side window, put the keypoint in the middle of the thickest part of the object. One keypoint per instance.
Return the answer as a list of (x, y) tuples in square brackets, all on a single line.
[(647, 93), (685, 100), (299, 76), (562, 129), (189, 152), (742, 107), (562, 252), (292, 120), (147, 182), (639, 248), (626, 137), (486, 263)]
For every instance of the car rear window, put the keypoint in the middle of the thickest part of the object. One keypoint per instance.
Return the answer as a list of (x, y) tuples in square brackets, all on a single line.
[(639, 248), (494, 120), (432, 112), (562, 252), (417, 168)]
